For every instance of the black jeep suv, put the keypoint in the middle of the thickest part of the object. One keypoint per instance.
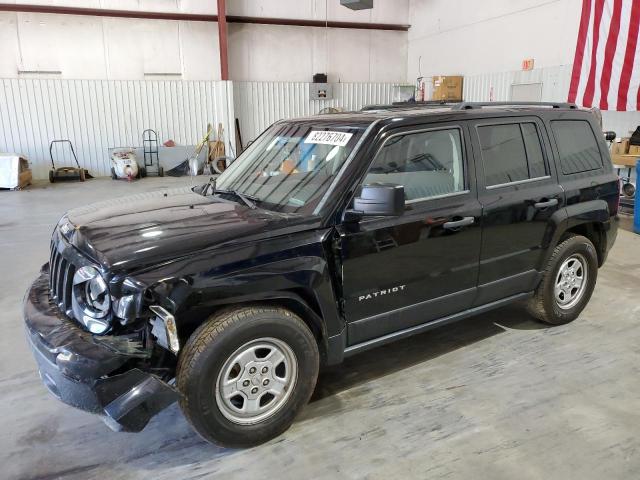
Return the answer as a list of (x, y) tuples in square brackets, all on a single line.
[(328, 236)]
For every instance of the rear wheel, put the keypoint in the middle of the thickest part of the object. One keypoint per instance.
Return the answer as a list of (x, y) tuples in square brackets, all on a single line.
[(82, 175), (246, 373), (113, 174), (567, 282), (51, 176), (160, 172)]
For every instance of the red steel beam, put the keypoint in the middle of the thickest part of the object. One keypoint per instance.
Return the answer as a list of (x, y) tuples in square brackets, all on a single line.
[(103, 12), (222, 38), (298, 22), (196, 17)]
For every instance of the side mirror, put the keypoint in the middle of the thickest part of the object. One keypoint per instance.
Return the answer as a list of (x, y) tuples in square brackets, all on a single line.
[(380, 199), (609, 136)]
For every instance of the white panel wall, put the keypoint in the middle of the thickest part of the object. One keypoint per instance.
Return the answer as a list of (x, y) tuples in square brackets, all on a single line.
[(84, 47), (470, 37), (98, 114), (497, 86), (259, 104)]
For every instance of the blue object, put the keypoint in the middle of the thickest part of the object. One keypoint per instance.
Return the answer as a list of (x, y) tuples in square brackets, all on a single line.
[(636, 203)]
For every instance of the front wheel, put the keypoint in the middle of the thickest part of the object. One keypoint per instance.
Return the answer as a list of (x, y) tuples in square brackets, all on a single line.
[(246, 373), (567, 283)]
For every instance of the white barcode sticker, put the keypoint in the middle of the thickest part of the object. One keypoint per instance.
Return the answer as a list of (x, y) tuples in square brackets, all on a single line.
[(325, 137)]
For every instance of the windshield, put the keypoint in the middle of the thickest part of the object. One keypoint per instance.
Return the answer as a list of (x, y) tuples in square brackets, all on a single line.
[(290, 166)]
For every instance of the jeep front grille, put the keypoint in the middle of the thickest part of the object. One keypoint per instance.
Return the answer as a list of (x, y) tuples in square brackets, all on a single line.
[(61, 273)]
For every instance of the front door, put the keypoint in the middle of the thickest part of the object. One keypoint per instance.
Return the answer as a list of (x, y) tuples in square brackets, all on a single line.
[(403, 271), (520, 199)]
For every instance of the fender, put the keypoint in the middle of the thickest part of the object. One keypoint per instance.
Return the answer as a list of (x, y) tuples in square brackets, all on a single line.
[(298, 278), (571, 216)]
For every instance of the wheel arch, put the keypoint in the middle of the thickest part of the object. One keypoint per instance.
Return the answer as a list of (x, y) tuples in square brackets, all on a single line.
[(586, 219), (299, 301)]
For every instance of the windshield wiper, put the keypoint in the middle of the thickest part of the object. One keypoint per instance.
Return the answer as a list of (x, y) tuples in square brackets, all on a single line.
[(247, 199)]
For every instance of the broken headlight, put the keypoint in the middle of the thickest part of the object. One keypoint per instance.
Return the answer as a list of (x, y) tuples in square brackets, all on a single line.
[(91, 301)]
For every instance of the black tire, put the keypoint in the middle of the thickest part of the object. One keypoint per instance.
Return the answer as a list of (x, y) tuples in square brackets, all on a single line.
[(209, 348), (143, 172), (82, 175), (52, 178), (113, 174), (543, 305), (160, 172)]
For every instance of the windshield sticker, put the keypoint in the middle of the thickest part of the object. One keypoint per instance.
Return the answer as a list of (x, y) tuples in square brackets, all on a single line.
[(324, 137)]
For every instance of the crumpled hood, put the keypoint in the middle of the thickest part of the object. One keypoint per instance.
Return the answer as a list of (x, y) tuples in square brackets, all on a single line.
[(141, 230)]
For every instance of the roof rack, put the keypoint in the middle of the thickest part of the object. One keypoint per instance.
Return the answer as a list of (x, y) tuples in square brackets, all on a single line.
[(474, 105), (401, 105)]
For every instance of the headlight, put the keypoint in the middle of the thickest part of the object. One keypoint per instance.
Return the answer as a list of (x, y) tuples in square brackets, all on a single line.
[(91, 300)]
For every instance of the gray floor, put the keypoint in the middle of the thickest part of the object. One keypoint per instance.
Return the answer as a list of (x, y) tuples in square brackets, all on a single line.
[(496, 396)]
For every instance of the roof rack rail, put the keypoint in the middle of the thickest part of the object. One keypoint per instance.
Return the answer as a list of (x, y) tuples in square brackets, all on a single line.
[(400, 105), (474, 105)]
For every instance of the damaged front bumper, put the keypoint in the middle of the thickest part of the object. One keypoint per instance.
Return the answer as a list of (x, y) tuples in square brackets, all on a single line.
[(93, 373)]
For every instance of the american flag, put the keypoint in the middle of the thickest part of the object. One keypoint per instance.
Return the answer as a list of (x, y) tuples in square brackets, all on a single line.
[(606, 67)]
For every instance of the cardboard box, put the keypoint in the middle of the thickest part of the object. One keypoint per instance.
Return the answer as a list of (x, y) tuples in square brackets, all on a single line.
[(628, 161), (634, 150), (621, 147), (447, 88)]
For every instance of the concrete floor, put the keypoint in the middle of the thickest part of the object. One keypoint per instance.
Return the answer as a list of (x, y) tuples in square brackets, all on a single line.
[(496, 396)]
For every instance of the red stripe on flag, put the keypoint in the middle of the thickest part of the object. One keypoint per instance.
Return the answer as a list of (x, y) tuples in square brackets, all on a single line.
[(627, 66), (582, 40), (609, 52), (591, 82)]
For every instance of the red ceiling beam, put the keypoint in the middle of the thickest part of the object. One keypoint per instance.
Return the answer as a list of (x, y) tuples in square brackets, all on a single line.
[(196, 17)]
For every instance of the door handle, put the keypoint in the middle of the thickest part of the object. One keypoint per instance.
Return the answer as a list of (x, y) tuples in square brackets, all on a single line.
[(546, 204), (458, 223)]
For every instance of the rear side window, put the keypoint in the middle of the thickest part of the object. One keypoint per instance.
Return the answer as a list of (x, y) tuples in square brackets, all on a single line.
[(577, 146), (511, 153)]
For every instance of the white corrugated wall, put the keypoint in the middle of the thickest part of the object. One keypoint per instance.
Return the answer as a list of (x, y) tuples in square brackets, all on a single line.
[(259, 104), (100, 114)]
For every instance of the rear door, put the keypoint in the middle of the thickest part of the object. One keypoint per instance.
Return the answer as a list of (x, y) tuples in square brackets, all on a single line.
[(402, 271), (520, 196)]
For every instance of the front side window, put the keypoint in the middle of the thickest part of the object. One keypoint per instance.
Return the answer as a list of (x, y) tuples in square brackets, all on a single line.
[(426, 163), (577, 146), (511, 153), (290, 166)]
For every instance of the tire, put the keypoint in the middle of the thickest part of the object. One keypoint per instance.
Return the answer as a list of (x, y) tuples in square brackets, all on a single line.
[(209, 357), (113, 174), (143, 172), (52, 179), (82, 175), (160, 172), (578, 254)]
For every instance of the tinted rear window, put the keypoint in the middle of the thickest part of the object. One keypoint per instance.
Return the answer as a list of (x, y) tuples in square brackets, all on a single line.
[(577, 146), (503, 154), (511, 152)]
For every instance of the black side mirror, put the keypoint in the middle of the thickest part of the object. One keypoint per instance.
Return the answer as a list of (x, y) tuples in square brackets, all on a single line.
[(609, 136), (379, 199)]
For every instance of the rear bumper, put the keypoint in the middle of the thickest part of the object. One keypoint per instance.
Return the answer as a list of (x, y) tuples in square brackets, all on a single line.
[(101, 375)]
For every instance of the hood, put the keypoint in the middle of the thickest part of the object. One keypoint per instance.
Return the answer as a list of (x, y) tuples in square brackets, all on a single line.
[(142, 230)]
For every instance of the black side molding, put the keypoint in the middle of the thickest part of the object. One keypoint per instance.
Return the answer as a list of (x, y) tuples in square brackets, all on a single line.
[(407, 332)]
